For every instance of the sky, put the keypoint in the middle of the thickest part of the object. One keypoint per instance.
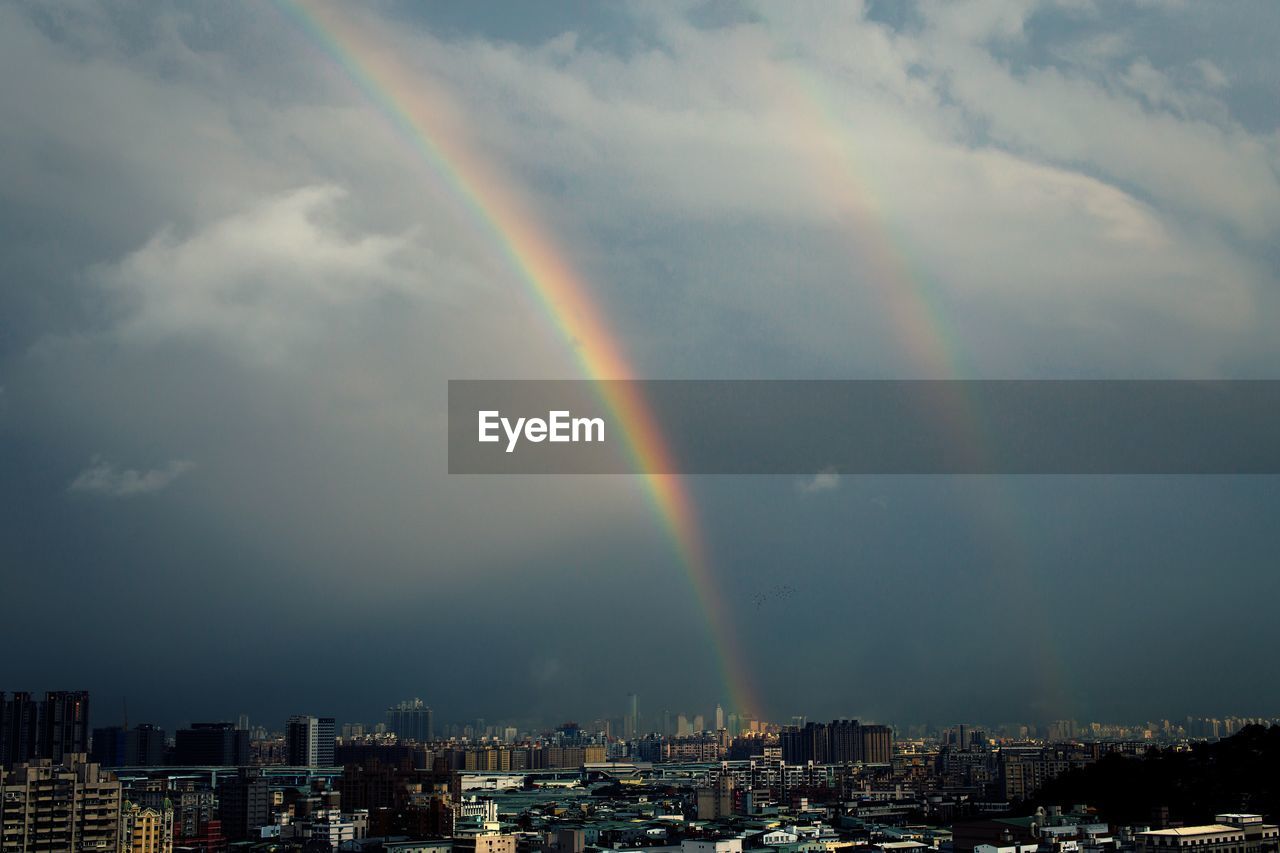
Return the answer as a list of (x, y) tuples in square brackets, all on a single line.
[(232, 291)]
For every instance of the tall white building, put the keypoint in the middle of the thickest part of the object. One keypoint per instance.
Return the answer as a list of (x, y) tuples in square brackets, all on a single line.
[(309, 741)]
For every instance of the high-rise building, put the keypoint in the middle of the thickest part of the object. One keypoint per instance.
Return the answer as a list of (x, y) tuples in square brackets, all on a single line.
[(19, 728), (327, 731), (211, 745), (244, 804), (837, 742), (631, 723), (146, 830), (808, 743), (719, 717), (309, 741), (64, 724), (844, 741), (877, 745), (141, 746), (45, 806), (411, 720)]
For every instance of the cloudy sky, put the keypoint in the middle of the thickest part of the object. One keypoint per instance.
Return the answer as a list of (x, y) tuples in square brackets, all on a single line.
[(232, 290)]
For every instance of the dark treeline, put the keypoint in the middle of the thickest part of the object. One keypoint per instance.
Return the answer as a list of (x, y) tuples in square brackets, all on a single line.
[(1238, 774)]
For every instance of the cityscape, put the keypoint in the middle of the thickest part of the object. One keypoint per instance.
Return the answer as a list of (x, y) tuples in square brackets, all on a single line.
[(701, 783)]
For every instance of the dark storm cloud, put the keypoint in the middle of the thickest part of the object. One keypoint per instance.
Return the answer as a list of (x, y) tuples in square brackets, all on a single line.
[(231, 295)]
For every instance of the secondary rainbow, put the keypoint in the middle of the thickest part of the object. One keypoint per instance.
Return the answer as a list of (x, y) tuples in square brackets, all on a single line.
[(426, 120), (913, 303)]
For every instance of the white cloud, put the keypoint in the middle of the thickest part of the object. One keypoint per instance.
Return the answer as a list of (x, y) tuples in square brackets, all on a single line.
[(106, 479), (826, 480), (255, 279), (1214, 77)]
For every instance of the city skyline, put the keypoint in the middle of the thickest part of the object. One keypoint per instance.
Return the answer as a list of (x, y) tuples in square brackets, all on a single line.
[(415, 720)]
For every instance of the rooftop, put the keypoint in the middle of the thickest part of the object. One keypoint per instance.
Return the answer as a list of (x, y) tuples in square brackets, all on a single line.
[(1194, 830)]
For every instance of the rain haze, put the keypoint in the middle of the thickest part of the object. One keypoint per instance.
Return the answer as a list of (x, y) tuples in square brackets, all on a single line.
[(244, 248)]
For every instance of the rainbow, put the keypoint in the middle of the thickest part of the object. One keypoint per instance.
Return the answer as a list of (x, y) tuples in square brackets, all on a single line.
[(912, 301), (425, 119)]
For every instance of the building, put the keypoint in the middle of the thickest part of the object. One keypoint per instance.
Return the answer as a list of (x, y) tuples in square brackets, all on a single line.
[(146, 830), (325, 827), (19, 728), (1210, 838), (715, 845), (1023, 770), (1259, 837), (53, 728), (207, 838), (716, 802), (49, 807), (141, 746), (631, 723), (64, 724), (837, 742), (876, 745), (485, 843), (309, 741), (194, 809), (211, 745), (411, 720), (244, 804)]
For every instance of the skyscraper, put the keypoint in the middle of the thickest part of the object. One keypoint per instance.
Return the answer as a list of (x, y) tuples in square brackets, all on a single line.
[(877, 744), (412, 720), (19, 728), (844, 741), (64, 724), (631, 723), (719, 717), (309, 741)]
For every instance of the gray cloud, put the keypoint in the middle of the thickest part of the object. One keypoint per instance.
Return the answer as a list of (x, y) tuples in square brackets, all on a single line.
[(106, 479), (214, 248)]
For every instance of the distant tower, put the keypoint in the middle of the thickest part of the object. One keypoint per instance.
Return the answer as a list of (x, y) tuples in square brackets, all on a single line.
[(631, 725), (412, 721), (719, 717)]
